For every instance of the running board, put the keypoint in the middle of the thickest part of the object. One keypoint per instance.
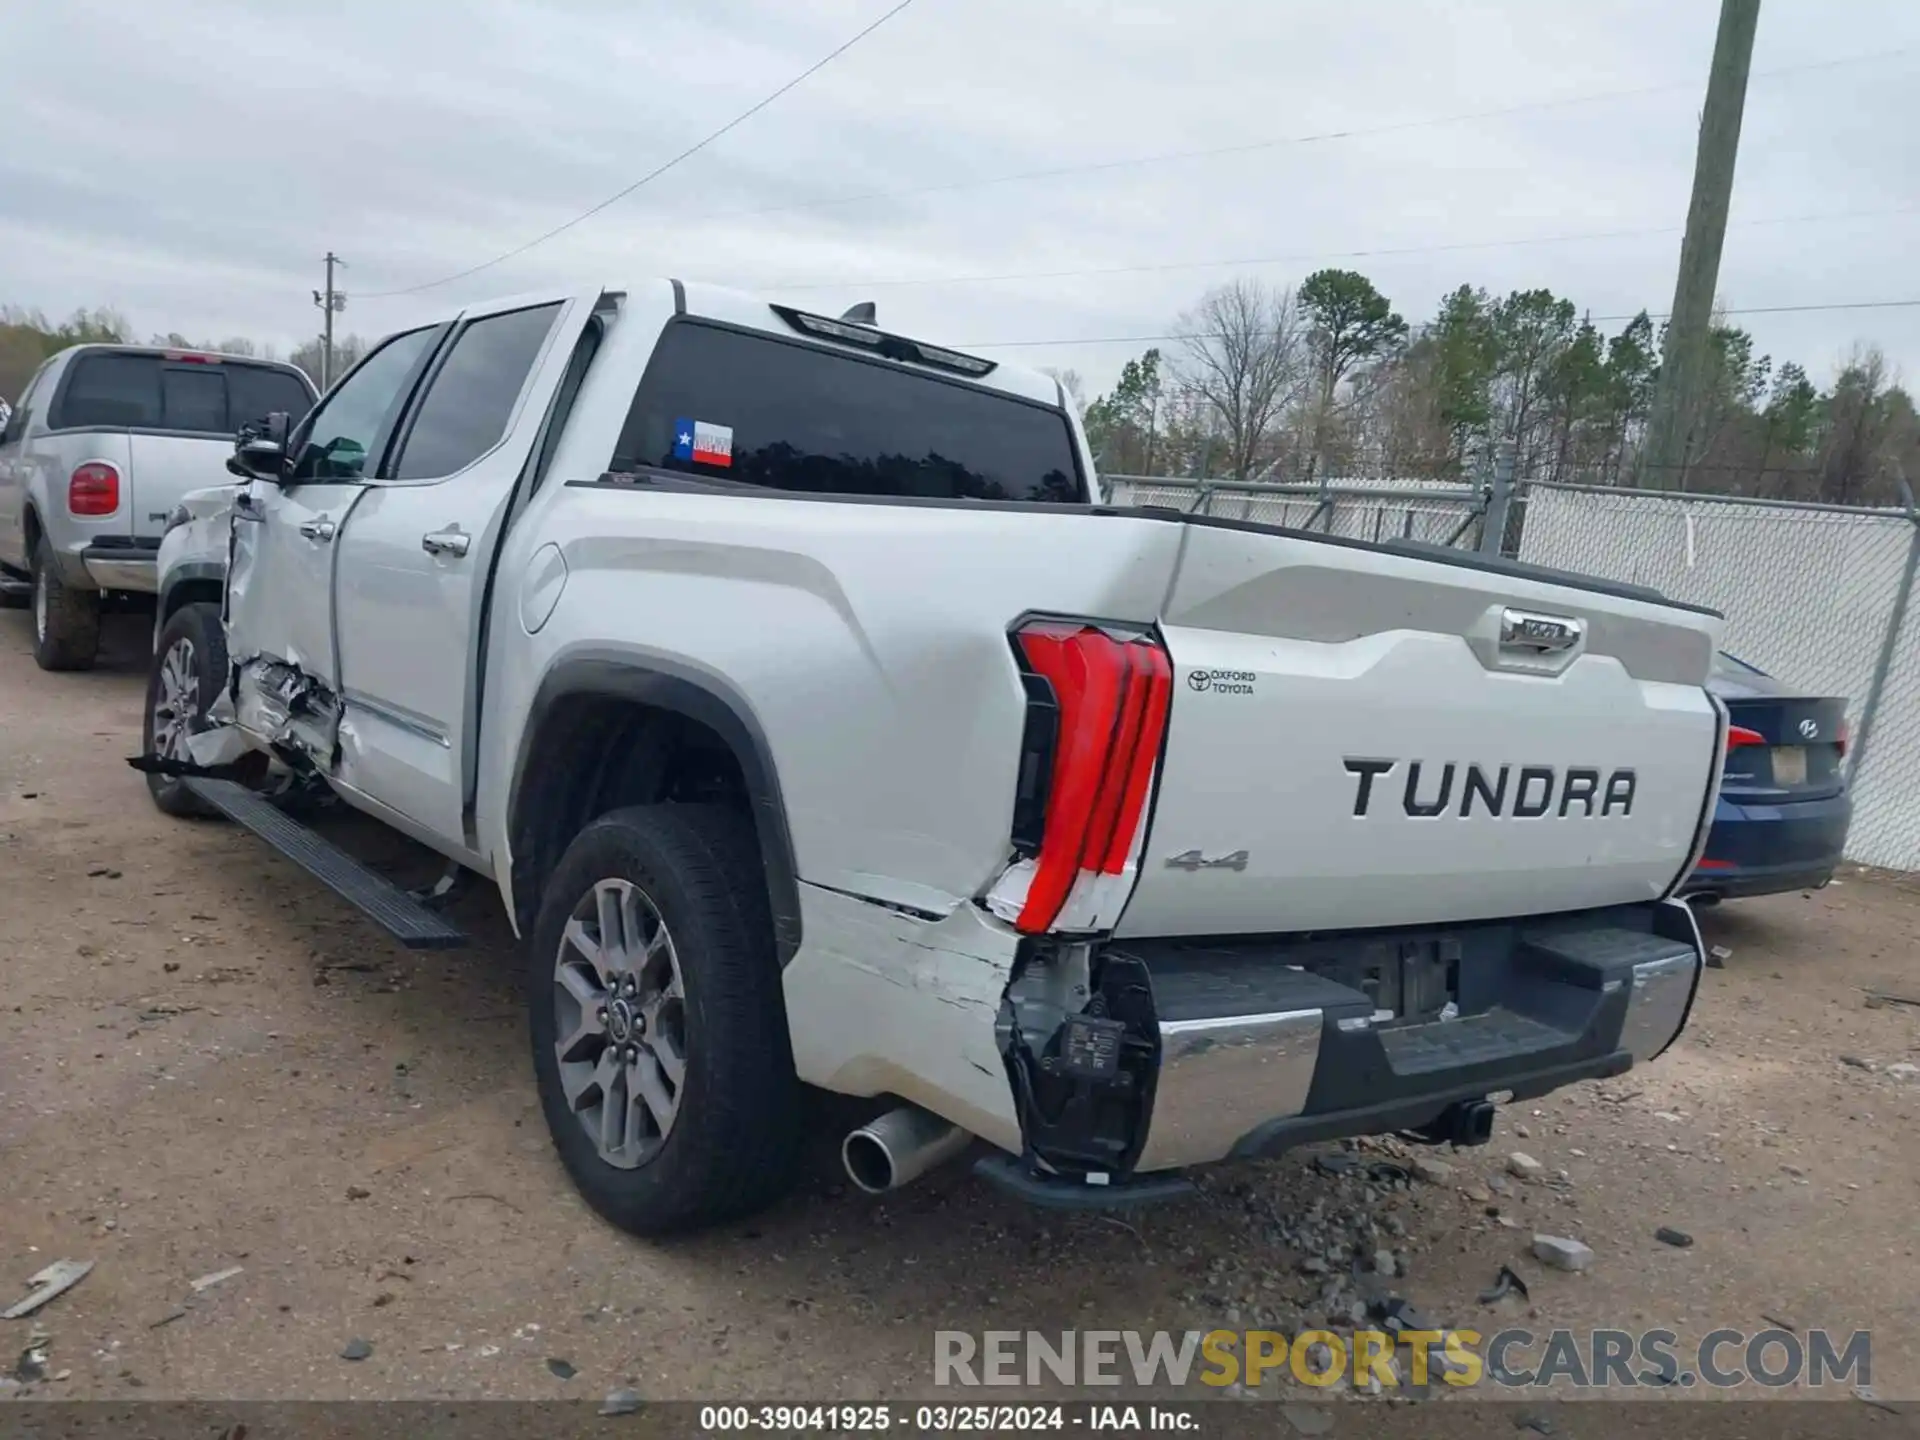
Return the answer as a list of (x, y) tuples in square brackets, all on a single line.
[(379, 899)]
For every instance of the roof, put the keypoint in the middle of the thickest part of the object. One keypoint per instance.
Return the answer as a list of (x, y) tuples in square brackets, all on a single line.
[(735, 307)]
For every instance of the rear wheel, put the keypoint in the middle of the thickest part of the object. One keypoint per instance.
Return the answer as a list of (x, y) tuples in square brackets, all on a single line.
[(659, 1035), (66, 622), (189, 666)]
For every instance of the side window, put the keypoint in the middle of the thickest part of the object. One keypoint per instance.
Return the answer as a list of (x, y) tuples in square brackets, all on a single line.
[(570, 384), (23, 412), (344, 428), (470, 400)]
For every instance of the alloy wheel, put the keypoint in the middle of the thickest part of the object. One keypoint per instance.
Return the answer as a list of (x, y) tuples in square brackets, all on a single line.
[(621, 1013), (175, 707)]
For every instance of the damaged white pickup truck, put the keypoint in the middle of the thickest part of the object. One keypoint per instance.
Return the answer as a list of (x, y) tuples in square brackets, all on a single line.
[(816, 727)]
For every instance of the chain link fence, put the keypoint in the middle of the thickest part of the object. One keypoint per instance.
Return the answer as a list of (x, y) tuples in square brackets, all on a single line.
[(1820, 597), (1434, 511), (1817, 596)]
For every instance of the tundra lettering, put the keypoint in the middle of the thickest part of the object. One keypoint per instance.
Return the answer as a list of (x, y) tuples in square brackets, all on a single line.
[(1534, 792)]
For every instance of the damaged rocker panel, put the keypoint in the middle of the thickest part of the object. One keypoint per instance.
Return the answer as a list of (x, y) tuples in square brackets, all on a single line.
[(288, 709)]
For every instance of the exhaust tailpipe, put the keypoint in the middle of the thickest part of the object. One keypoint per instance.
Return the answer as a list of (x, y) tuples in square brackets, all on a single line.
[(901, 1145)]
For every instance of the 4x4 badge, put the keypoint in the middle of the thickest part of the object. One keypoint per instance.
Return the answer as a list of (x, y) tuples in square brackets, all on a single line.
[(1194, 860)]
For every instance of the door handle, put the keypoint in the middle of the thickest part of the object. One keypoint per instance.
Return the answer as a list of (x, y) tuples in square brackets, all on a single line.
[(320, 529), (446, 542)]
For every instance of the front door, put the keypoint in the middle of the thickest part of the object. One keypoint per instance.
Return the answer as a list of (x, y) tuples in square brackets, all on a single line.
[(415, 555), (280, 582)]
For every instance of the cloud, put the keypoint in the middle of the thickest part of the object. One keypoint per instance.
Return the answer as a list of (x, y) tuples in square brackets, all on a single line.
[(191, 167)]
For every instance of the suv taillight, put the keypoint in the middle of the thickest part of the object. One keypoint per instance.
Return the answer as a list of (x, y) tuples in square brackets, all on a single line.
[(1097, 710), (94, 489)]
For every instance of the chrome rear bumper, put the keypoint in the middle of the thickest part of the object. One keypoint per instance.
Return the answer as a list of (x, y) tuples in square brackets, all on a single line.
[(1288, 1056), (121, 568)]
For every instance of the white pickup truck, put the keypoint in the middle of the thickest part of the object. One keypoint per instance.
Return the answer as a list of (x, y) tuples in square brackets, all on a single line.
[(815, 727)]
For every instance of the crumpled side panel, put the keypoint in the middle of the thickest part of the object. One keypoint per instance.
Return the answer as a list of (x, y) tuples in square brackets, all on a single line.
[(286, 707)]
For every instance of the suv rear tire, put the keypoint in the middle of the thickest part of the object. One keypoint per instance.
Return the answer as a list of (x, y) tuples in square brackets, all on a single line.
[(189, 667), (66, 622), (691, 984)]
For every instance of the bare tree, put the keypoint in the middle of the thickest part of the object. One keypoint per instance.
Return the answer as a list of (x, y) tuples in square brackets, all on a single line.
[(1245, 356)]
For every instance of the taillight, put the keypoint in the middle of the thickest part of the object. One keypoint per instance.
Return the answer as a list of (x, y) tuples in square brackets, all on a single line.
[(1094, 733), (94, 489), (1842, 736), (1739, 735)]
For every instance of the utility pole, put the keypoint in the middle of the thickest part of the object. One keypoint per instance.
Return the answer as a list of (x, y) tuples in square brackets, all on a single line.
[(1683, 361), (331, 302)]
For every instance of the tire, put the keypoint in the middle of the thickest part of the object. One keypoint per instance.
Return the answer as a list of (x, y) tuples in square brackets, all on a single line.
[(66, 622), (732, 1143), (189, 667)]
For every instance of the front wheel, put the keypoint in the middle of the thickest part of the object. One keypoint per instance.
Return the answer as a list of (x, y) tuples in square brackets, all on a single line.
[(659, 1034), (189, 667)]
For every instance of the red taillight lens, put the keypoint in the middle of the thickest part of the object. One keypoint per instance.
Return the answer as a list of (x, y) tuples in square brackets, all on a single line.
[(1112, 694), (1842, 737), (94, 489), (1738, 735)]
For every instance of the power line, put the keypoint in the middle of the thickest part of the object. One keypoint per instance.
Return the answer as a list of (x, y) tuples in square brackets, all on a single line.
[(1130, 162), (658, 170), (1373, 254), (1598, 319), (1254, 146)]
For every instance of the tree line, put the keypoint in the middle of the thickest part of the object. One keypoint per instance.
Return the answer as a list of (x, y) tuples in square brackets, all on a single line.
[(27, 338), (1328, 380)]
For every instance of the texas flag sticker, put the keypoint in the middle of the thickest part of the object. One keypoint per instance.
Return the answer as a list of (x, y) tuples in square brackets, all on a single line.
[(705, 443)]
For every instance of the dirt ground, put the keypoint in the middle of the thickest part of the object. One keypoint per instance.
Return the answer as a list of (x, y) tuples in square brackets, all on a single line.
[(207, 1062)]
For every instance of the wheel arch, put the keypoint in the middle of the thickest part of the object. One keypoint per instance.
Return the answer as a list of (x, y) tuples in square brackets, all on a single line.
[(579, 691), (194, 580)]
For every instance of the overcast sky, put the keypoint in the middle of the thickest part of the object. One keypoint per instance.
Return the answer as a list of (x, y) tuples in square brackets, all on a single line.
[(189, 164)]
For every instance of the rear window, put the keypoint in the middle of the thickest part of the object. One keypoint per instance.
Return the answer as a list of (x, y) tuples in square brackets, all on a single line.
[(759, 410), (150, 392)]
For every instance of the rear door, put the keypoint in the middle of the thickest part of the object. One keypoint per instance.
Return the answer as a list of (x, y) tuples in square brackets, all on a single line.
[(417, 552), (16, 469), (280, 584)]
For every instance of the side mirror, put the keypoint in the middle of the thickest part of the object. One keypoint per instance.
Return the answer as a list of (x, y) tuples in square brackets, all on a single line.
[(260, 450)]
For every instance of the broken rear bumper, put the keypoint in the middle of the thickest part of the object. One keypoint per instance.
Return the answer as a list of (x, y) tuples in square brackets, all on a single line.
[(1258, 1052)]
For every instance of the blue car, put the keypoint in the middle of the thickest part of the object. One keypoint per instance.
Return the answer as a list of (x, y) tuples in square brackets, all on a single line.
[(1781, 823)]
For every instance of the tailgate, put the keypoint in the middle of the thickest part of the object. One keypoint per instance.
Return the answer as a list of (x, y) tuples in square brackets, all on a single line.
[(163, 468), (1363, 738)]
